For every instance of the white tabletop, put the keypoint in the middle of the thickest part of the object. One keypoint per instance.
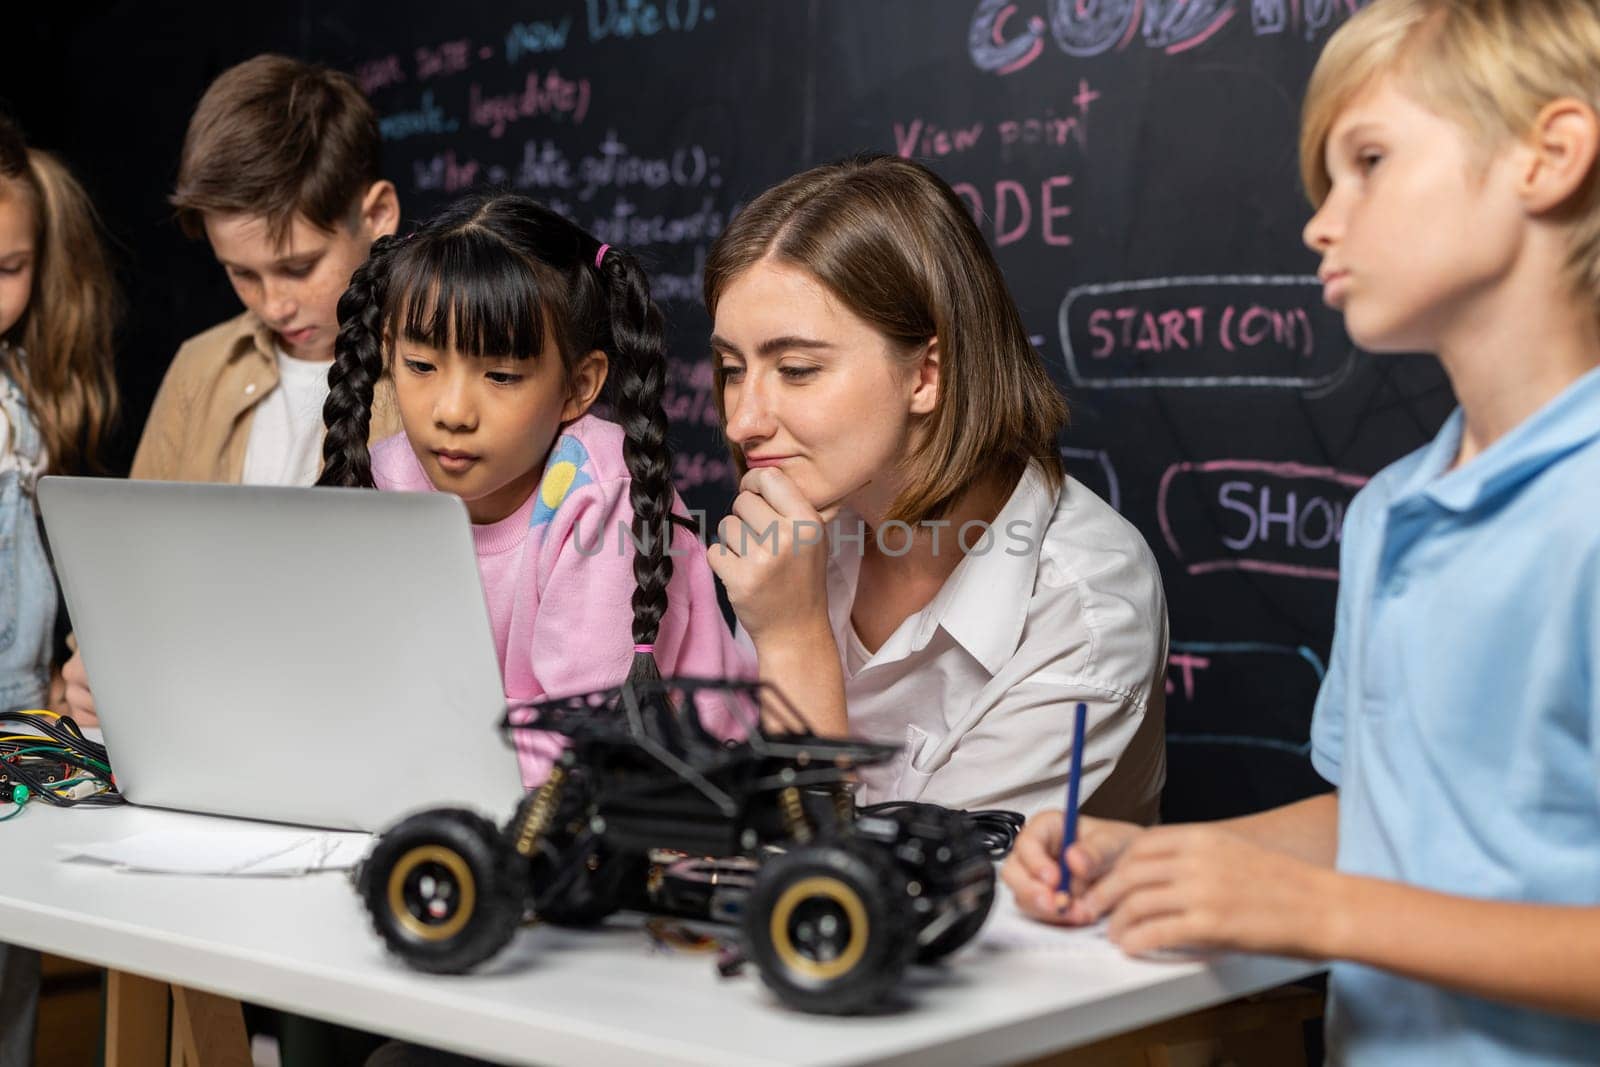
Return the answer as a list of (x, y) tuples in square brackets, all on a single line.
[(560, 996)]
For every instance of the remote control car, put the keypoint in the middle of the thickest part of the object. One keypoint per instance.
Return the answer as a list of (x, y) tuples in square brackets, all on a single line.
[(647, 809)]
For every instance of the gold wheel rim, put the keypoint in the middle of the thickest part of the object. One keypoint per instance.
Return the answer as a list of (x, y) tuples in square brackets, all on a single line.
[(848, 900), (451, 861)]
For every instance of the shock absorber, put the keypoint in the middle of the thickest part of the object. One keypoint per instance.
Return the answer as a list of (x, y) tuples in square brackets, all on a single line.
[(844, 805), (541, 811), (794, 815)]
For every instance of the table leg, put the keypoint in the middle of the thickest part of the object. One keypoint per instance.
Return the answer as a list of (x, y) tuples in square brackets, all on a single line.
[(136, 1021), (183, 1054), (209, 1029)]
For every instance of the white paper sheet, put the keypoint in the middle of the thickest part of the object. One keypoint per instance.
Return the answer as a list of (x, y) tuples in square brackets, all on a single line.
[(244, 852), (1009, 929)]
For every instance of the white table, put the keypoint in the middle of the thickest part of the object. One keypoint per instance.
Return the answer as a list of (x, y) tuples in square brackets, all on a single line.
[(558, 996)]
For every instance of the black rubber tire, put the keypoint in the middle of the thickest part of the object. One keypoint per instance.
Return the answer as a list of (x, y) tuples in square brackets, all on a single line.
[(804, 959), (438, 858)]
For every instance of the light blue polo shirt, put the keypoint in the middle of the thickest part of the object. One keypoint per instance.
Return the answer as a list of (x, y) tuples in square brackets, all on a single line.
[(1460, 716)]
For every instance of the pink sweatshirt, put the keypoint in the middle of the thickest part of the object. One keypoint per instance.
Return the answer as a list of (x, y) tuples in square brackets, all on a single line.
[(558, 578)]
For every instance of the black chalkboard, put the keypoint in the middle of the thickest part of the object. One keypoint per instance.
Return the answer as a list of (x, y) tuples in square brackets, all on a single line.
[(1133, 163)]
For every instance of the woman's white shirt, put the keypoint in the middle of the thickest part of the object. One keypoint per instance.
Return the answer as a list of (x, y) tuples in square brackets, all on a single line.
[(1064, 605)]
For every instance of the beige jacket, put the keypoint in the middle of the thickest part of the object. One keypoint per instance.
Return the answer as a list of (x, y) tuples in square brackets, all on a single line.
[(200, 423)]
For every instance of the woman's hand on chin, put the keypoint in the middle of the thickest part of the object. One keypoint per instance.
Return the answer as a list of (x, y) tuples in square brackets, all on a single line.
[(772, 555)]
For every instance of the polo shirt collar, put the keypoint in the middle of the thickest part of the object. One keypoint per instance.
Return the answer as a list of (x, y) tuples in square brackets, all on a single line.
[(1563, 425), (983, 605)]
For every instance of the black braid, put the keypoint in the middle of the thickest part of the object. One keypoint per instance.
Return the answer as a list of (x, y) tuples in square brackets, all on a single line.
[(637, 332), (357, 367)]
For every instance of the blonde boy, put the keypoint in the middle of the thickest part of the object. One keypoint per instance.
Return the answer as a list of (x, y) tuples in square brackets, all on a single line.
[(1454, 875)]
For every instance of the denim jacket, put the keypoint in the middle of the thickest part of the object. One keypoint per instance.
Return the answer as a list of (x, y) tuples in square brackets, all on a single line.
[(27, 584)]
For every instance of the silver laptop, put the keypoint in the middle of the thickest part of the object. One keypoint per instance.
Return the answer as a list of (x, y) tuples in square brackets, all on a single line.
[(312, 656)]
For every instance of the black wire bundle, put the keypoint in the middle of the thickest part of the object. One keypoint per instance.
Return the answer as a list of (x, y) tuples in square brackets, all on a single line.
[(995, 827), (52, 760)]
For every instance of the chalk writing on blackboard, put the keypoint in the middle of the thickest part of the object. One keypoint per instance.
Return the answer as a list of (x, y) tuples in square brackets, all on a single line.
[(1205, 677), (1000, 40), (1210, 331), (1093, 467), (536, 38), (549, 96), (1285, 519), (919, 138), (627, 19), (426, 118), (1009, 209)]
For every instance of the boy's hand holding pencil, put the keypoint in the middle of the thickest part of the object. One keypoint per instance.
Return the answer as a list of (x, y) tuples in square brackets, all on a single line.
[(1176, 887), (1033, 870), (1051, 867)]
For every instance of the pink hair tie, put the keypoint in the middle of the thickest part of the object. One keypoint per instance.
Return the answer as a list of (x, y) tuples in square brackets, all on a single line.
[(648, 650), (598, 256)]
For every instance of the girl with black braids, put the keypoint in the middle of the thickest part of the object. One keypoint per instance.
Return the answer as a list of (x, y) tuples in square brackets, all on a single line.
[(501, 323)]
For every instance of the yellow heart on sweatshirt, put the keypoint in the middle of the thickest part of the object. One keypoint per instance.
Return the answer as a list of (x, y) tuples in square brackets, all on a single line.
[(557, 480)]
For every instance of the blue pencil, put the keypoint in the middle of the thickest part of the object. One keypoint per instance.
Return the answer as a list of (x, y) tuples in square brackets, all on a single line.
[(1070, 832)]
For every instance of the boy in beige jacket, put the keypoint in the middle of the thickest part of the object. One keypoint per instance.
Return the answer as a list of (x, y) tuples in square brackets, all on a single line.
[(280, 174)]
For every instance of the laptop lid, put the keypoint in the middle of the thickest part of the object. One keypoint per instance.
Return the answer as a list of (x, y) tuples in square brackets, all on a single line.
[(312, 656)]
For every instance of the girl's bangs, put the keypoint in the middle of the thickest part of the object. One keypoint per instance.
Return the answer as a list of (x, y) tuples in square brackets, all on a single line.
[(466, 292)]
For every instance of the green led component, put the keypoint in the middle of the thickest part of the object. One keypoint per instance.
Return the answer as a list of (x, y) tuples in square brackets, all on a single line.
[(20, 795)]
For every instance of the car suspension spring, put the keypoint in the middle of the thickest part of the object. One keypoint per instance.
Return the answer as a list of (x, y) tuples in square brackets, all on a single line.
[(844, 805), (540, 812), (794, 815)]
